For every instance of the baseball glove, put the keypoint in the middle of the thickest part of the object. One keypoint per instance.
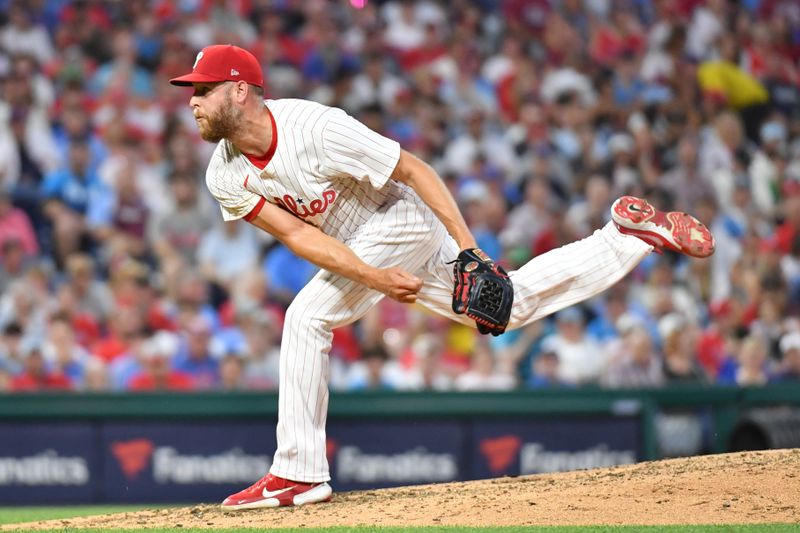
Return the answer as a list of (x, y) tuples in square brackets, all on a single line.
[(482, 291)]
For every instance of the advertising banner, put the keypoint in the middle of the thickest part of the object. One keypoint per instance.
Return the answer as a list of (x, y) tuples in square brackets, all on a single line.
[(382, 454), (553, 445), (205, 461), (47, 463), (183, 462)]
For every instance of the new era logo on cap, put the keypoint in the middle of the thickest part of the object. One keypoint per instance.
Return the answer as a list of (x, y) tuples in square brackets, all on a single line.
[(223, 62)]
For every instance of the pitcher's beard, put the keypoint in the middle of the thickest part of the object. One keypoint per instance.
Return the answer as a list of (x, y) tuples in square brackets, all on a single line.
[(222, 124)]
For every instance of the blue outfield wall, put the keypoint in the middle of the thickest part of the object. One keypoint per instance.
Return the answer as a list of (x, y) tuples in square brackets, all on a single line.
[(202, 447)]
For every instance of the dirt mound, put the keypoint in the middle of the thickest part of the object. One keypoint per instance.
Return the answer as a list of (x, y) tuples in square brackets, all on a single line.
[(752, 487)]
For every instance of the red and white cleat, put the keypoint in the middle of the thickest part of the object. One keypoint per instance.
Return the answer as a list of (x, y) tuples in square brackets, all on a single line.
[(676, 231), (273, 491)]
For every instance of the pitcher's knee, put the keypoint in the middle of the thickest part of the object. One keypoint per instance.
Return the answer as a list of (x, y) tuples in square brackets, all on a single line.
[(302, 318)]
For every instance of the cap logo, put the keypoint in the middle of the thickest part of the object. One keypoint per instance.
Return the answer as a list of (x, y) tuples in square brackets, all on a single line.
[(234, 72), (197, 59)]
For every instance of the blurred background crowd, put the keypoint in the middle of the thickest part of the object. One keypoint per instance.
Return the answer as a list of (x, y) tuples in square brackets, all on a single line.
[(117, 272)]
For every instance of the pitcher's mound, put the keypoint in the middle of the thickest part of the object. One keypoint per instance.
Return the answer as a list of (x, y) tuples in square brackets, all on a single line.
[(751, 487)]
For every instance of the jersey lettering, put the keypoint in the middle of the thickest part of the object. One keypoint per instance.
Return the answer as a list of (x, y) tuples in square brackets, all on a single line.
[(315, 207)]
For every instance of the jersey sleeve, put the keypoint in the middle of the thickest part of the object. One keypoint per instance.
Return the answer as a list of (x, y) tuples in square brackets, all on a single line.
[(227, 188), (351, 148)]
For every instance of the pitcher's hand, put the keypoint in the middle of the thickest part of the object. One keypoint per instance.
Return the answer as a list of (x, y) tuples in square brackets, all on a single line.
[(397, 284)]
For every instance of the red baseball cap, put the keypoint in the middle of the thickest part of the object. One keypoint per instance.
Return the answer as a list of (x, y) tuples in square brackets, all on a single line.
[(223, 62)]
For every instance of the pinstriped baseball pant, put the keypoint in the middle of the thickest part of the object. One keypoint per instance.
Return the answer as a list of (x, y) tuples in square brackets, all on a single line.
[(407, 234)]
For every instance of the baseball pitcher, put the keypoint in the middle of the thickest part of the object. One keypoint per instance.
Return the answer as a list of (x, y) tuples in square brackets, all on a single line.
[(378, 222)]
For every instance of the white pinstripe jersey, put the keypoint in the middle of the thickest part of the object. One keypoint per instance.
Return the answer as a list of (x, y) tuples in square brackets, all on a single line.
[(325, 167)]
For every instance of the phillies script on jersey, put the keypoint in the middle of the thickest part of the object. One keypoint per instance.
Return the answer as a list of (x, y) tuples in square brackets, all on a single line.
[(315, 207)]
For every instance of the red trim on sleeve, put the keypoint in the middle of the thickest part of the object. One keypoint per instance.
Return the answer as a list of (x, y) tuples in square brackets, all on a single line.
[(262, 161), (256, 210)]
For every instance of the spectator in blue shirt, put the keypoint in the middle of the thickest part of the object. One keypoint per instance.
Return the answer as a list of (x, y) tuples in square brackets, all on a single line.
[(627, 86), (194, 355), (66, 192), (122, 73), (71, 184), (545, 372), (75, 124), (286, 272), (368, 374)]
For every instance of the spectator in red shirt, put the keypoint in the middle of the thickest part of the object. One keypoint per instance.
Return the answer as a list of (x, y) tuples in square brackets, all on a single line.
[(157, 372), (36, 376), (124, 326), (15, 224), (786, 232), (621, 33)]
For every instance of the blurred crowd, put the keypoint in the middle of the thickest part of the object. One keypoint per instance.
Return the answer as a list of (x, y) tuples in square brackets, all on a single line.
[(117, 272)]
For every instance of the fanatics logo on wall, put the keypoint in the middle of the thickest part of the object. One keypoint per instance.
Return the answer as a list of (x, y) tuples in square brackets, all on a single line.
[(170, 466), (543, 445), (234, 465), (500, 452), (133, 456), (47, 468), (418, 465), (534, 458)]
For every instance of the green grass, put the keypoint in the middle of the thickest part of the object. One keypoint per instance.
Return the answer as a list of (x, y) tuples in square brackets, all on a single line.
[(10, 515)]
